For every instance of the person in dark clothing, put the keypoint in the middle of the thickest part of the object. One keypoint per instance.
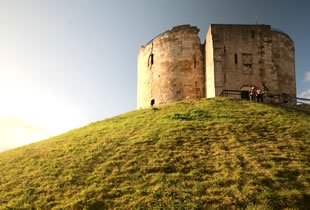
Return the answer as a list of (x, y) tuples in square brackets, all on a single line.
[(259, 95), (152, 102)]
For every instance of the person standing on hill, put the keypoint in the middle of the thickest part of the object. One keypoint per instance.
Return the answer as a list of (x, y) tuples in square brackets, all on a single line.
[(252, 93), (259, 95)]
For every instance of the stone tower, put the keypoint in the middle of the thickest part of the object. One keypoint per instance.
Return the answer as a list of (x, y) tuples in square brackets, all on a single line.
[(175, 65), (170, 67), (240, 56)]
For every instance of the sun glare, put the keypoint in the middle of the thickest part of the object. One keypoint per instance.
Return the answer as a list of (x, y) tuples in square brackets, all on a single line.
[(29, 115)]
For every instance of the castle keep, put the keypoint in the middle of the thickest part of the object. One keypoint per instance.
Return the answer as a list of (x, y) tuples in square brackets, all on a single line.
[(175, 65)]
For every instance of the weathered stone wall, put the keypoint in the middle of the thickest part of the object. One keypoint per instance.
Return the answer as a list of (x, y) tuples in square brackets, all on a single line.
[(175, 66), (284, 62), (170, 68), (209, 67), (250, 55), (242, 56)]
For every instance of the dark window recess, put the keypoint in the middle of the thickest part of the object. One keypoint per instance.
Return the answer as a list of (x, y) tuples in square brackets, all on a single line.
[(245, 95), (236, 58), (152, 102), (253, 34), (194, 61), (151, 59), (224, 49)]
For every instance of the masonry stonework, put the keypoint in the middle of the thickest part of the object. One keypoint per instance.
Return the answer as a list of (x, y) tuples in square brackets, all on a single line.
[(175, 66)]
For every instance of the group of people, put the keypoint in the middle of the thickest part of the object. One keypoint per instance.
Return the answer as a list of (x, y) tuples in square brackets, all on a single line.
[(256, 93)]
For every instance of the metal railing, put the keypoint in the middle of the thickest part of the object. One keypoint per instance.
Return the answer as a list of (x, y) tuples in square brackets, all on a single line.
[(285, 100)]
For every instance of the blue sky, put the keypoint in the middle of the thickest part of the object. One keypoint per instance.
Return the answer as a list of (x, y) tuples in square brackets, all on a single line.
[(67, 63)]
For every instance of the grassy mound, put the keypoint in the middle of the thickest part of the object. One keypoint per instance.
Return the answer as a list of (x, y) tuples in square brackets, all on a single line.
[(216, 153)]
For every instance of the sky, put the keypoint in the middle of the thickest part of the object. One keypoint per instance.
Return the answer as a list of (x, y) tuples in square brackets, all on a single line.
[(67, 63)]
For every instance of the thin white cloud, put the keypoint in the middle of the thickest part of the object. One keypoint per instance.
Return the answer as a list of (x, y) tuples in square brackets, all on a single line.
[(305, 93)]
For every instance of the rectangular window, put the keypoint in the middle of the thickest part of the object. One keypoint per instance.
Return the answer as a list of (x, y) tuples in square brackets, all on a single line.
[(247, 64), (253, 34), (236, 58)]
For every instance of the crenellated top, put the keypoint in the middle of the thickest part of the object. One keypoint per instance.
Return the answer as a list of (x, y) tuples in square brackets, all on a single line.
[(185, 28)]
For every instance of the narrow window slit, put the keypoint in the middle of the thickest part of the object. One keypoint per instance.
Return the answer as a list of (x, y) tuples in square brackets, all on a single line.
[(151, 60)]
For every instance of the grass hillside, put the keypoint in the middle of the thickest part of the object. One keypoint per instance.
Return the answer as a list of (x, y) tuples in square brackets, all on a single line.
[(216, 153)]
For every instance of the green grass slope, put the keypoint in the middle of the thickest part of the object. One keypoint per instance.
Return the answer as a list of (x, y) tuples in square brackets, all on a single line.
[(216, 153)]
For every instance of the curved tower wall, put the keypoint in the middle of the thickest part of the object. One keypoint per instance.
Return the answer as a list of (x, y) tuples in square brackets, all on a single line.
[(283, 54), (170, 68)]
